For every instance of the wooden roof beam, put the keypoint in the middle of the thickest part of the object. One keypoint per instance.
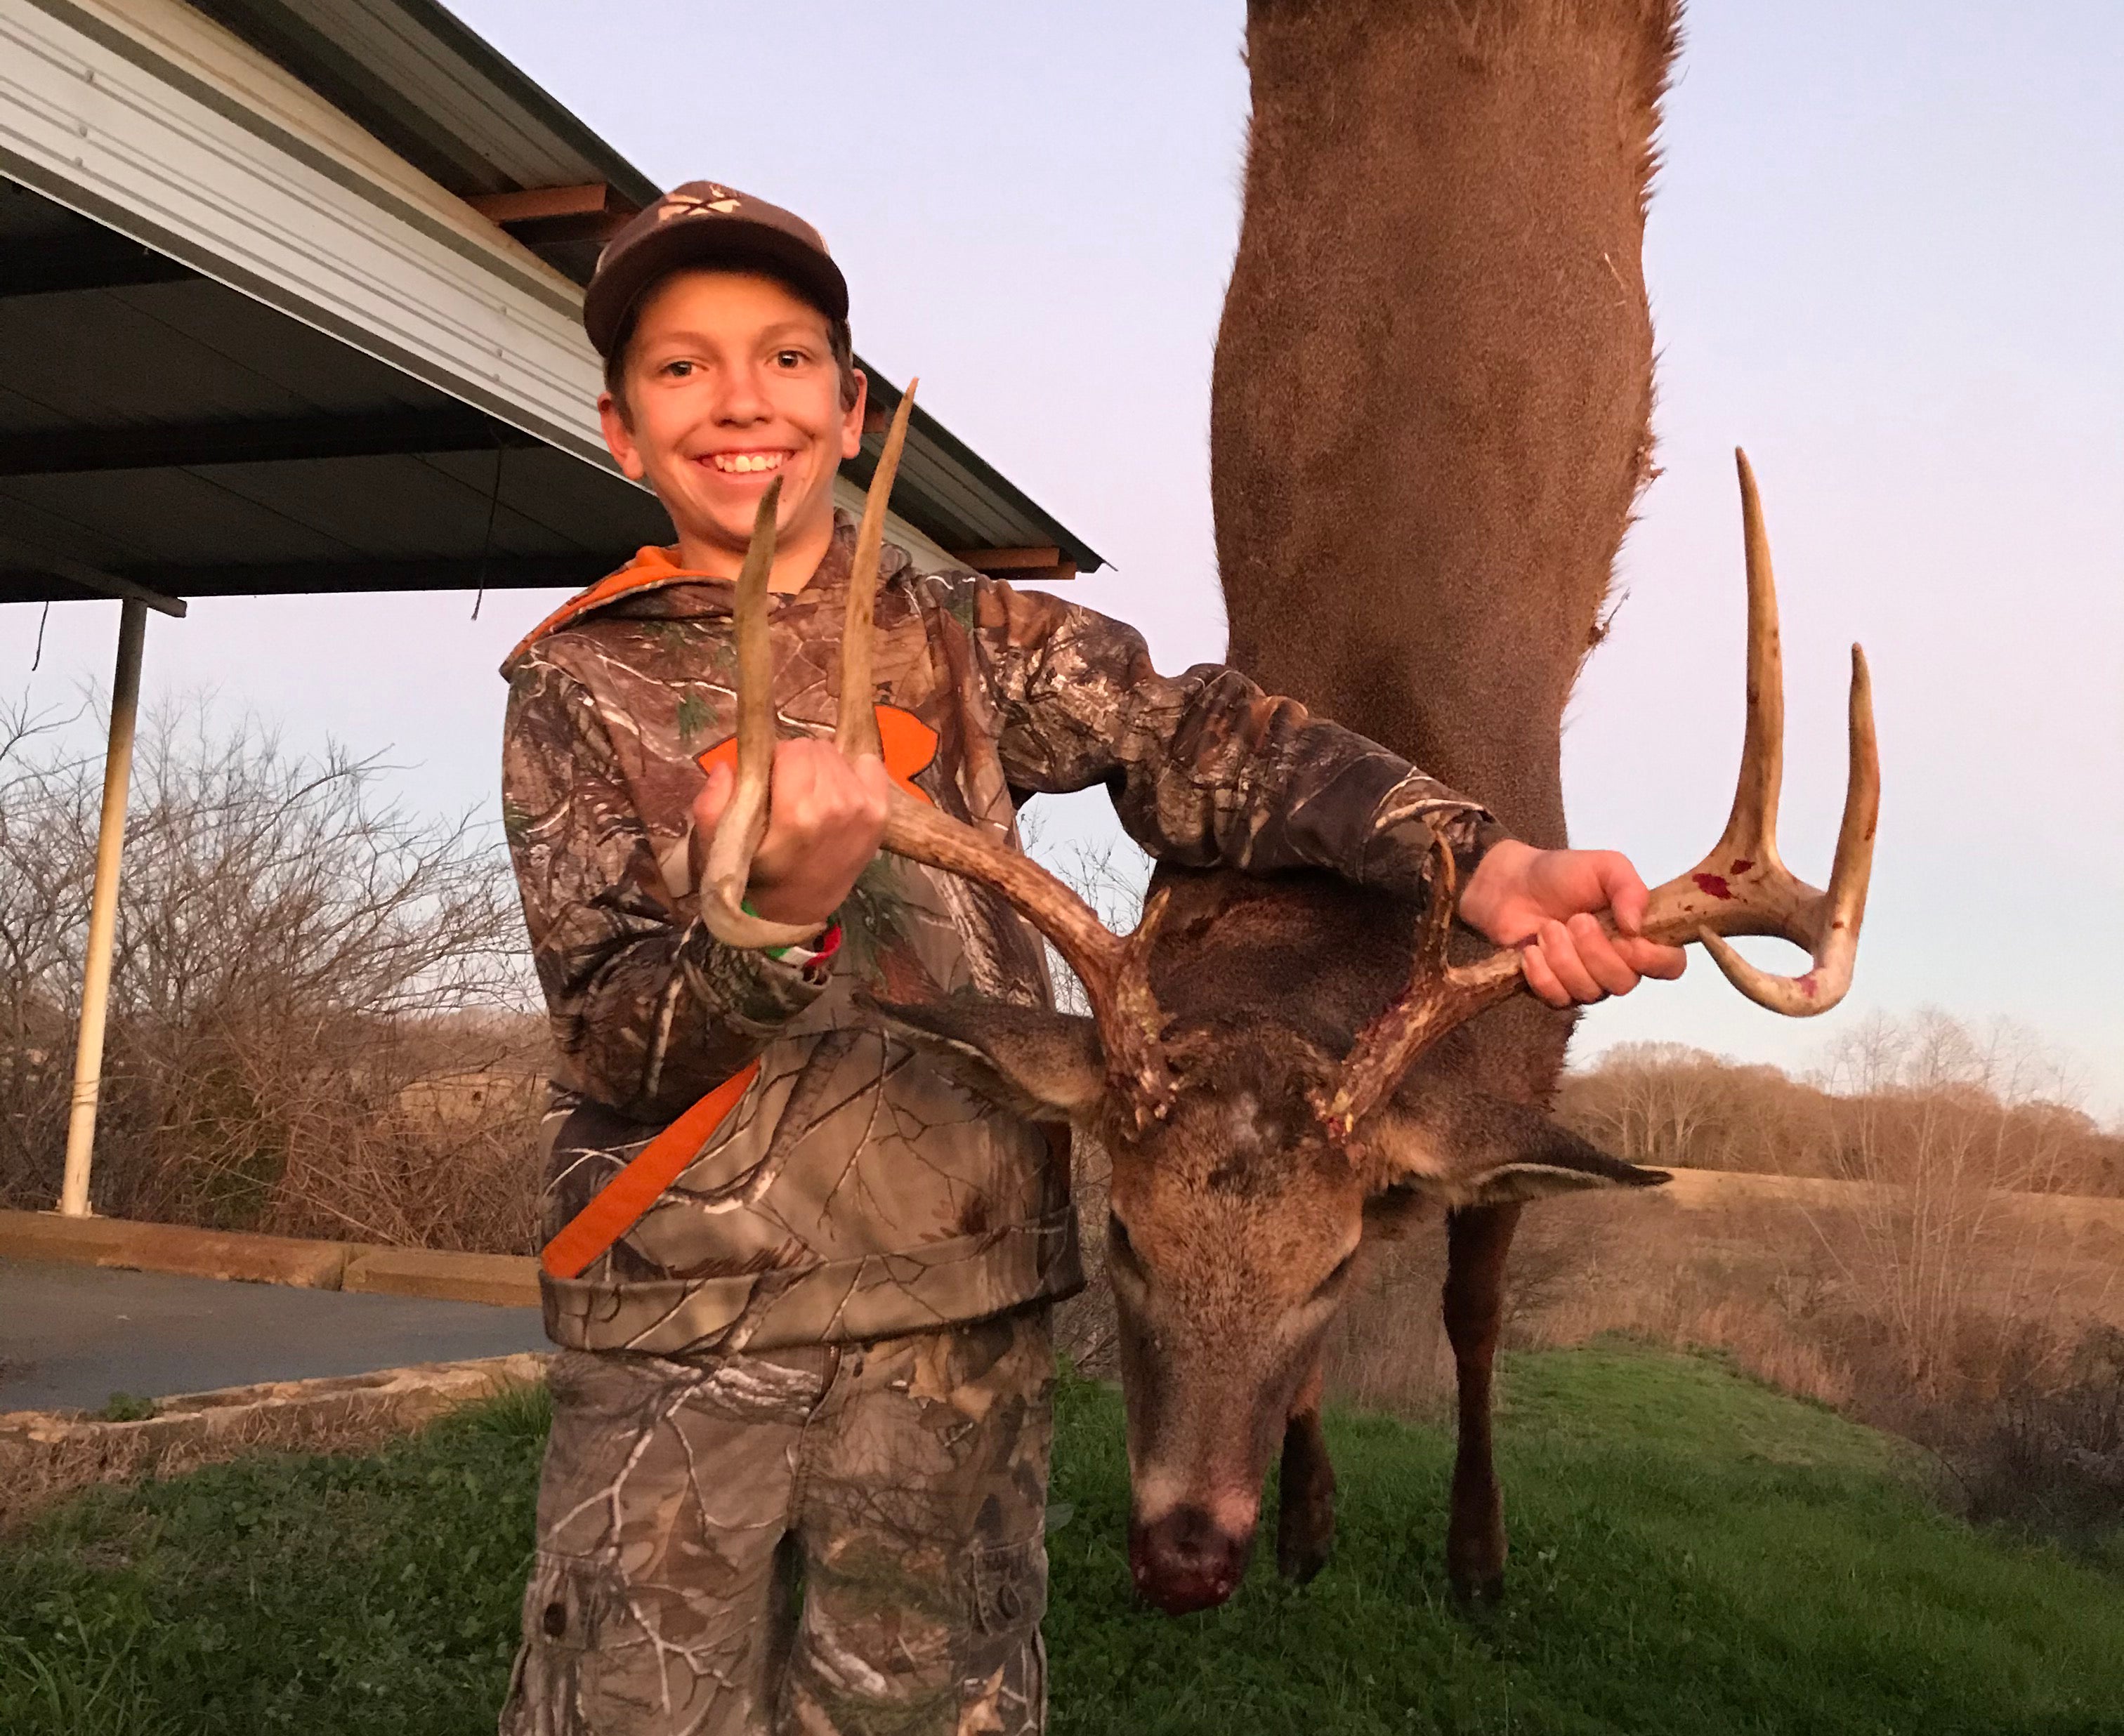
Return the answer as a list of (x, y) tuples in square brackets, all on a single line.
[(498, 572), (28, 572), (547, 216), (1046, 563)]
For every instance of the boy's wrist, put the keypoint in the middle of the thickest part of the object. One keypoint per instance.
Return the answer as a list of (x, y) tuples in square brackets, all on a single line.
[(776, 900)]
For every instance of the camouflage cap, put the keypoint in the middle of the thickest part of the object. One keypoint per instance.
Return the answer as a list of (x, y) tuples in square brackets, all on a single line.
[(706, 223)]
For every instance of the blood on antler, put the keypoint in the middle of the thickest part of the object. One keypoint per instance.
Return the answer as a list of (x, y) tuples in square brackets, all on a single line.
[(1112, 968), (1741, 887)]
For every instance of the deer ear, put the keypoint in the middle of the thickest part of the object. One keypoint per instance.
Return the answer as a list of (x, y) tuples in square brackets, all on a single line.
[(1475, 1150), (1043, 1065)]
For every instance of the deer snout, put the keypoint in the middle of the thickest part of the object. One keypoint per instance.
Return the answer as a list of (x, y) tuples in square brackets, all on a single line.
[(1187, 1560)]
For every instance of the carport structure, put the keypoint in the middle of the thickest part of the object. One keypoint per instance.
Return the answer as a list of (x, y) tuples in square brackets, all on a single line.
[(289, 297)]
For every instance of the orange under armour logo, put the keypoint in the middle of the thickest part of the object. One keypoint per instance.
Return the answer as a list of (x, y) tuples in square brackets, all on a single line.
[(909, 743)]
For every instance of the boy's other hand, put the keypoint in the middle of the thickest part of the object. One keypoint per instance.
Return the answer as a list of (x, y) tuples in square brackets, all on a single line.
[(1547, 904), (825, 819)]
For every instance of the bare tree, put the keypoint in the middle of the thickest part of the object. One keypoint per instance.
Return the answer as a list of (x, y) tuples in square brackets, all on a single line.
[(1656, 1103), (294, 952), (1946, 1124)]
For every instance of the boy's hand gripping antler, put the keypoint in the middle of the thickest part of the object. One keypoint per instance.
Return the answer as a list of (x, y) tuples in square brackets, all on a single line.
[(1110, 966)]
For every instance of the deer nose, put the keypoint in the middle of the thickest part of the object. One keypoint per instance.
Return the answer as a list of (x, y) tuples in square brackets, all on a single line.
[(1186, 1562)]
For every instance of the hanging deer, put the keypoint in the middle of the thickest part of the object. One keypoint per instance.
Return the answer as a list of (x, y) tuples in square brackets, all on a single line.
[(1266, 1058)]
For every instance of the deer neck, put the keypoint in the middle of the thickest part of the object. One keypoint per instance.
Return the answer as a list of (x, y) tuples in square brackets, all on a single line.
[(1433, 381)]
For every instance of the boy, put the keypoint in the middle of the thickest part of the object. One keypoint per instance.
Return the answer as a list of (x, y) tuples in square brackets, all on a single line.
[(797, 1473)]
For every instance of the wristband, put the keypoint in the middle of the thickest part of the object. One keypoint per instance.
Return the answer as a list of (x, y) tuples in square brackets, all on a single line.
[(828, 942)]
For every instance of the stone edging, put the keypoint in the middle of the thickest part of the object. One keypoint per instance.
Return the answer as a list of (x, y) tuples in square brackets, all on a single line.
[(45, 1455), (406, 1397), (503, 1280)]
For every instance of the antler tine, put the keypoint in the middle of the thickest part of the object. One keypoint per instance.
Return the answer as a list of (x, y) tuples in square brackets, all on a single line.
[(1436, 932), (1826, 923), (858, 729), (1113, 970), (745, 820), (1752, 828), (1741, 888), (1132, 1031), (1437, 998), (1851, 874)]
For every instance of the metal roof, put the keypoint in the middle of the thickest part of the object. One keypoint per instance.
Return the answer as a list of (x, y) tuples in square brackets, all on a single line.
[(440, 96), (168, 432)]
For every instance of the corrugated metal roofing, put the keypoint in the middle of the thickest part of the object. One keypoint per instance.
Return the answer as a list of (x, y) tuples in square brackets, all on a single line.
[(91, 378), (434, 91), (173, 432)]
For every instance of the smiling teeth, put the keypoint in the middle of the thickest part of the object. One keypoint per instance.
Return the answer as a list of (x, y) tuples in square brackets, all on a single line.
[(741, 464)]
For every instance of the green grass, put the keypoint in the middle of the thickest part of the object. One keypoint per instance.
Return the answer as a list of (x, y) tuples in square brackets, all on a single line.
[(126, 1407), (280, 1593), (1692, 1554)]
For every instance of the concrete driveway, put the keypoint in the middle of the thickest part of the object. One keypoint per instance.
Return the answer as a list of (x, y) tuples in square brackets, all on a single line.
[(70, 1335)]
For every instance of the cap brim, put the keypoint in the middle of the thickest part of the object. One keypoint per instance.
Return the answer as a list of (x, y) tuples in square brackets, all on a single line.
[(727, 242)]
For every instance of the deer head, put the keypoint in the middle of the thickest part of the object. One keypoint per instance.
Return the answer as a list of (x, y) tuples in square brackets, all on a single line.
[(1252, 1101)]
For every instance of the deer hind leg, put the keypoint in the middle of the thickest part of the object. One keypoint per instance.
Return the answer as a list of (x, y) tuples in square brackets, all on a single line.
[(1305, 1516), (1478, 1238)]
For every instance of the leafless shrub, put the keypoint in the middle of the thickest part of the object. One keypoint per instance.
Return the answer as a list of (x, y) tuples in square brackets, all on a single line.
[(1749, 1281), (1946, 1128), (1982, 1321), (293, 952), (1387, 1350), (2052, 1459)]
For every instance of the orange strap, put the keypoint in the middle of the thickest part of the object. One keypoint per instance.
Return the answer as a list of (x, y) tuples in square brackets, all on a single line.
[(909, 745), (621, 1203)]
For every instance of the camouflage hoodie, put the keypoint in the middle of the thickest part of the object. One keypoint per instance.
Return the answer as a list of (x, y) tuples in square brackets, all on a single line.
[(857, 1191)]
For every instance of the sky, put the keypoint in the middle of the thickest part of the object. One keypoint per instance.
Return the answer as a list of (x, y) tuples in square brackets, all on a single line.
[(1884, 255)]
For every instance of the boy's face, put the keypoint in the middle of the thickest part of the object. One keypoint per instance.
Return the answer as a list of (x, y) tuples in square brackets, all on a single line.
[(730, 383)]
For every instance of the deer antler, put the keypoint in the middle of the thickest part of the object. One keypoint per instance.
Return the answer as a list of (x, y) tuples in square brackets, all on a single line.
[(1112, 968), (743, 822), (1741, 887)]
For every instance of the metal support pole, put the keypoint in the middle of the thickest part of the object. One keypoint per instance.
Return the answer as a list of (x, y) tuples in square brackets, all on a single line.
[(103, 908)]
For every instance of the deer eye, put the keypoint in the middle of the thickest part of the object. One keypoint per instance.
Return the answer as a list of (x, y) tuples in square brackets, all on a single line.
[(1117, 1239)]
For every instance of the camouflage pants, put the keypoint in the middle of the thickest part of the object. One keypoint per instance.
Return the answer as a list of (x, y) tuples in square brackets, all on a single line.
[(836, 1539)]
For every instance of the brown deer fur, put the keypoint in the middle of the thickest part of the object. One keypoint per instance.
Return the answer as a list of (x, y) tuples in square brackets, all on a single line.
[(1235, 1216), (1430, 420)]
